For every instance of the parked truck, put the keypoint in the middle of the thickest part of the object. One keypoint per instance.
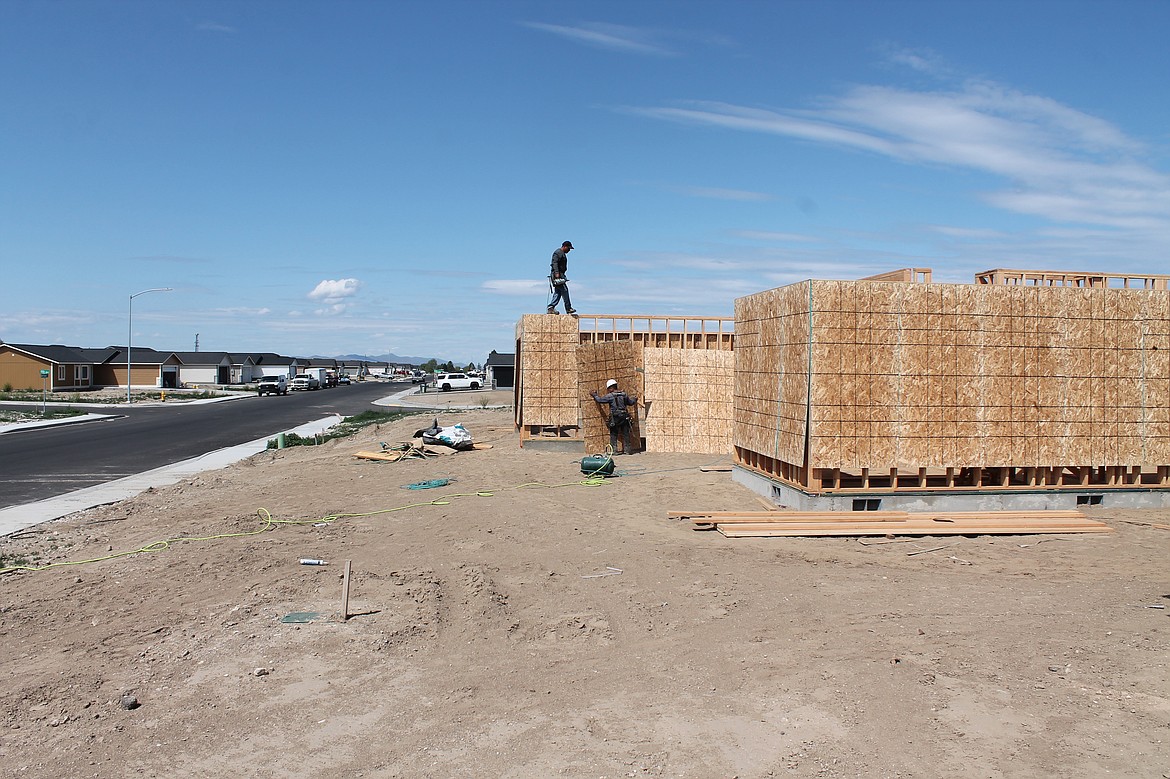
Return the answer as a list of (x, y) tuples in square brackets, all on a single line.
[(320, 374), (273, 385)]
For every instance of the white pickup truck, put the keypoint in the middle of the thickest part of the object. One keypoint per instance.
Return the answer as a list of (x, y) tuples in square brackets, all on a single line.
[(454, 381), (272, 385)]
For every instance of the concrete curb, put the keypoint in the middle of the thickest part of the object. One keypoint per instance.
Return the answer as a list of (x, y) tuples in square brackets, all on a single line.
[(8, 428), (16, 518)]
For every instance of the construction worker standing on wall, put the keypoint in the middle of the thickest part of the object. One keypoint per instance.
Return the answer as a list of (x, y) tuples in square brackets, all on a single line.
[(558, 281)]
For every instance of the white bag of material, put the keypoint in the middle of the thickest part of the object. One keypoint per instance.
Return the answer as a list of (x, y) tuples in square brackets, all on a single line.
[(455, 437)]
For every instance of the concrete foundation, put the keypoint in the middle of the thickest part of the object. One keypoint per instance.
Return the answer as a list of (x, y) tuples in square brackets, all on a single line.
[(967, 500)]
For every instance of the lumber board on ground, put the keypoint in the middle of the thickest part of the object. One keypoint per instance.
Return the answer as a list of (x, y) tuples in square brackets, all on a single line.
[(768, 530), (872, 516), (740, 524), (390, 457)]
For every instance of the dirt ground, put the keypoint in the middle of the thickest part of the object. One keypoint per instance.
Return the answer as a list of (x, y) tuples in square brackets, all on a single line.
[(484, 640)]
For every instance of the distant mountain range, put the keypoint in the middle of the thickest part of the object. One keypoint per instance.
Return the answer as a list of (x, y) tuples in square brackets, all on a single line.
[(388, 357)]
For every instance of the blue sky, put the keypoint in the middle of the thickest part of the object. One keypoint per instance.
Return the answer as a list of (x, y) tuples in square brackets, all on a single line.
[(364, 177)]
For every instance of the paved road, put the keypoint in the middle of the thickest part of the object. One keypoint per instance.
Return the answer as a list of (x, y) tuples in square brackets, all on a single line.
[(42, 463)]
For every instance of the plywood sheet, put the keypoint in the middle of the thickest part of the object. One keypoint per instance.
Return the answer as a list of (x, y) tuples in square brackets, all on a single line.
[(772, 371), (596, 364), (689, 397), (908, 376), (547, 370)]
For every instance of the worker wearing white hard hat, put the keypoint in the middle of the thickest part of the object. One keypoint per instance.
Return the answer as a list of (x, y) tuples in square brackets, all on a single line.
[(620, 419)]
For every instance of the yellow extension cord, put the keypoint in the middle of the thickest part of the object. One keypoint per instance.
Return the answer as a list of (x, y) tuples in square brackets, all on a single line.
[(267, 523)]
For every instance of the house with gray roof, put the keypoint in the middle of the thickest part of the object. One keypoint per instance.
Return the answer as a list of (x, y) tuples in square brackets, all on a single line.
[(70, 367)]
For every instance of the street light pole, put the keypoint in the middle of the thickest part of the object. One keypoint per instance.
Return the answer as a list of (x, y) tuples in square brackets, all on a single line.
[(130, 333)]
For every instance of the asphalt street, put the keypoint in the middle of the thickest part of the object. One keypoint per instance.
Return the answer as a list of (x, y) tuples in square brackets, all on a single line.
[(40, 463)]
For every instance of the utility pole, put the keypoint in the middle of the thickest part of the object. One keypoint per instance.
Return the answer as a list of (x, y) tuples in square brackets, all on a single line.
[(130, 333)]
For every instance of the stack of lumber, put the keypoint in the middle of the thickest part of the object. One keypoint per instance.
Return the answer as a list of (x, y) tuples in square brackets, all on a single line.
[(746, 524)]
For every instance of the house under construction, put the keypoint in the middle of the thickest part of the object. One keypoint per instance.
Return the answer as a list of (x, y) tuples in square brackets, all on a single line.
[(1025, 389)]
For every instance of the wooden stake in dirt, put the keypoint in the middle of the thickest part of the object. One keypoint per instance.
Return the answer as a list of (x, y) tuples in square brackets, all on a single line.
[(345, 593)]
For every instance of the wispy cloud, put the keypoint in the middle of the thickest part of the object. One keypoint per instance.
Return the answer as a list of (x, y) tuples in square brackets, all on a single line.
[(954, 231), (770, 236), (719, 193), (525, 287), (216, 27), (921, 60), (1061, 164), (239, 312), (171, 259), (614, 37)]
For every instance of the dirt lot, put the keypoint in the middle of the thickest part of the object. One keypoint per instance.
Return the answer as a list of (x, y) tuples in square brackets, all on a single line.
[(484, 644)]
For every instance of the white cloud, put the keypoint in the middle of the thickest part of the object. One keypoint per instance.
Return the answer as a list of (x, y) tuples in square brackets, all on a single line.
[(1061, 164), (335, 294), (525, 287), (615, 37)]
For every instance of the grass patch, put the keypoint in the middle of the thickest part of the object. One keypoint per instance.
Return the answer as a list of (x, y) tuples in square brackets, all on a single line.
[(348, 427), (9, 417), (106, 396), (10, 560)]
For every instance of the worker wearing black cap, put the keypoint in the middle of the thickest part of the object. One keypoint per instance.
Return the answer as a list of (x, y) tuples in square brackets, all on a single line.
[(560, 284)]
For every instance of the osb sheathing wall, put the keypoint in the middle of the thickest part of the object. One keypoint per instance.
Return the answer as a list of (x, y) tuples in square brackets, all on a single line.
[(690, 397), (772, 371), (547, 362), (596, 364), (943, 375)]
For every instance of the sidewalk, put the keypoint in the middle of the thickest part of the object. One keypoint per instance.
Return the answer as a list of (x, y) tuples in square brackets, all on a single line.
[(458, 400), (16, 518)]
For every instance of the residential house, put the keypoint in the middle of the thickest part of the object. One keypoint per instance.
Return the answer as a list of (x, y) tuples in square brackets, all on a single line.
[(70, 368), (272, 364), (147, 368), (327, 363), (499, 370), (205, 368), (244, 370)]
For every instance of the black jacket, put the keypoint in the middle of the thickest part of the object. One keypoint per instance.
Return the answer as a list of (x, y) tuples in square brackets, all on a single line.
[(560, 263)]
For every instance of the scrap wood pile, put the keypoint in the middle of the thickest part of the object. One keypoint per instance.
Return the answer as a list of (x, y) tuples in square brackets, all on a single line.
[(745, 524), (412, 450), (392, 454), (427, 443)]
